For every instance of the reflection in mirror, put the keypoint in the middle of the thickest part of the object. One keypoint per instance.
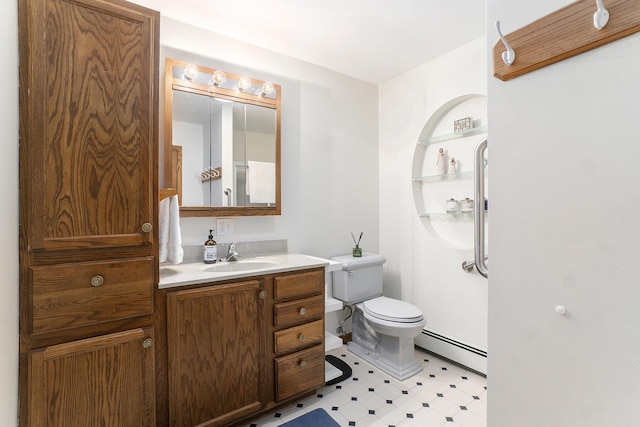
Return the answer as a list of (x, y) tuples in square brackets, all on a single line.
[(222, 142)]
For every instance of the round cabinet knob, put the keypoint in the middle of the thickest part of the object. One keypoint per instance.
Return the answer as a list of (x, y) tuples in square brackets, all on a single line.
[(561, 310), (97, 280), (146, 227), (303, 311), (262, 294), (303, 363), (147, 343), (302, 338)]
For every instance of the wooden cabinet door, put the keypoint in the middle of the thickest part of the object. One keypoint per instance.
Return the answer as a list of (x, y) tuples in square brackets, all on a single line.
[(102, 381), (216, 343), (88, 123)]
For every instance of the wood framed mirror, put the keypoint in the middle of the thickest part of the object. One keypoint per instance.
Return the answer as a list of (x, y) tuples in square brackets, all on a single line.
[(222, 141)]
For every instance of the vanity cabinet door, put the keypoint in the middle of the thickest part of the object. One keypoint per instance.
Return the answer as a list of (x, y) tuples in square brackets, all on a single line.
[(102, 381), (216, 353), (88, 123)]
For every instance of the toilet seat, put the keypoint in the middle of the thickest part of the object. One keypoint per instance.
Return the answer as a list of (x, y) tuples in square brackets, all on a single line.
[(392, 310)]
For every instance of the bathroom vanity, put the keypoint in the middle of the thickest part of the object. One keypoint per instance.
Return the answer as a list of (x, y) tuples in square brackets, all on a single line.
[(241, 338)]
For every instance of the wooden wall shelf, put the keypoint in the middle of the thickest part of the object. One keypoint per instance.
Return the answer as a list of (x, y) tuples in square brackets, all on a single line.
[(564, 33)]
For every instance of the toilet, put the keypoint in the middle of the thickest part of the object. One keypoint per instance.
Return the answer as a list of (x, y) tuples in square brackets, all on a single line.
[(383, 328)]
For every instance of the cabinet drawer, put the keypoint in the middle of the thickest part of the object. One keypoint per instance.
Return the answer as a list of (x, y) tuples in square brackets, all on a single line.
[(299, 336), (297, 311), (298, 285), (299, 372), (81, 294)]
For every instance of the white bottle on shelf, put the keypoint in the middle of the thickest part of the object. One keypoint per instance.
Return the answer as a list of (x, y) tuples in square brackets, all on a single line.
[(441, 162)]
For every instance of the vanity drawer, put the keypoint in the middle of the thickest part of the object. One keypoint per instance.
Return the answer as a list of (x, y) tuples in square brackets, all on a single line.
[(298, 285), (298, 311), (299, 372), (87, 293), (299, 336)]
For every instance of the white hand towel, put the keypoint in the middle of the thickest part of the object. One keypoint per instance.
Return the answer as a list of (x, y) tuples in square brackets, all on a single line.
[(169, 233), (262, 182), (163, 229)]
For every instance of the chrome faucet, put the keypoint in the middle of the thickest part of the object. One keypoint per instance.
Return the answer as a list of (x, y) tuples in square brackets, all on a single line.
[(232, 255)]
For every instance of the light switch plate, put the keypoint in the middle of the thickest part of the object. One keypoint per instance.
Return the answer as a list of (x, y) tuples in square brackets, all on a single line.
[(225, 226)]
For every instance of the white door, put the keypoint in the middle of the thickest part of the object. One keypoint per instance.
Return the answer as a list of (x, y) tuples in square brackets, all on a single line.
[(565, 232)]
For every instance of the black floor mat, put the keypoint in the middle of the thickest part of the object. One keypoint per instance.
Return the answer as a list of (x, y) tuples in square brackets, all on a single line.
[(341, 365)]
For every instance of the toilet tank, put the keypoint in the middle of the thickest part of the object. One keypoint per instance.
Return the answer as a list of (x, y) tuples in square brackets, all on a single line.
[(359, 279)]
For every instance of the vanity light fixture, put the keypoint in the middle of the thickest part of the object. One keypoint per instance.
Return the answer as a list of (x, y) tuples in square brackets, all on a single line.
[(244, 83), (266, 89), (218, 78), (190, 72)]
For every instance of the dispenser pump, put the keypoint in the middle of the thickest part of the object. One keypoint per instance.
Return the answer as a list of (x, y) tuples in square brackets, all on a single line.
[(210, 250)]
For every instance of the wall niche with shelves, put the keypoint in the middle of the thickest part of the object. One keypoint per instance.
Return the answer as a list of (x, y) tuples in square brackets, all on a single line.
[(432, 188)]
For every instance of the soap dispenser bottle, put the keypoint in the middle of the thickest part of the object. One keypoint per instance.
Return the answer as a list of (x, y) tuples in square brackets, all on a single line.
[(210, 250)]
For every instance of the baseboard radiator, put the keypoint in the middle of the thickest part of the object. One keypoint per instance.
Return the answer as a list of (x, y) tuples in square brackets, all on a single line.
[(455, 350)]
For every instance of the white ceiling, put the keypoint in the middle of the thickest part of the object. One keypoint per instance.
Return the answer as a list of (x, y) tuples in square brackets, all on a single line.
[(372, 40)]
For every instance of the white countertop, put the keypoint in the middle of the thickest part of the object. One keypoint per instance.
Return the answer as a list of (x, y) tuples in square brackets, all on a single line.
[(193, 273)]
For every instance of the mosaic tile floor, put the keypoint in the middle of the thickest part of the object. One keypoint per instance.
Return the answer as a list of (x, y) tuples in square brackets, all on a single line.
[(443, 394)]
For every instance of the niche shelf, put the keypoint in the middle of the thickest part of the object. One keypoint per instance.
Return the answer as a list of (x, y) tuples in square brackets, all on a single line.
[(453, 136), (431, 190), (438, 178)]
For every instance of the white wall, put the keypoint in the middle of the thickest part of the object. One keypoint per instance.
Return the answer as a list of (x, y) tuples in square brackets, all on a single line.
[(329, 147), (190, 137), (421, 268), (9, 216), (564, 231)]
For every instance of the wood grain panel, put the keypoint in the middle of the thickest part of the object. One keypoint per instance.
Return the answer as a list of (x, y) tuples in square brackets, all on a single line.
[(90, 142), (564, 33), (176, 168), (299, 372), (290, 313), (299, 336), (63, 296), (216, 353), (298, 284), (105, 381)]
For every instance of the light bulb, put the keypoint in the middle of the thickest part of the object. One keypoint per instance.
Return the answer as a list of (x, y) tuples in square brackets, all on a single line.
[(218, 78), (190, 72), (267, 88), (244, 83)]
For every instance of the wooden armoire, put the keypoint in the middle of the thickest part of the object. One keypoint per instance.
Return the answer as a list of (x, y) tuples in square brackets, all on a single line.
[(88, 212)]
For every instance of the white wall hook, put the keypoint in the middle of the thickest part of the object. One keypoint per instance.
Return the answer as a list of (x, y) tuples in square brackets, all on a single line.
[(601, 17), (510, 55)]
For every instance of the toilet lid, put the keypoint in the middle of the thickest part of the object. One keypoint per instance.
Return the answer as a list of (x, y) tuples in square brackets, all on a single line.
[(392, 310)]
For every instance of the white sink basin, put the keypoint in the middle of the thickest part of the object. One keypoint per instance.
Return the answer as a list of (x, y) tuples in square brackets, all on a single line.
[(240, 266)]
